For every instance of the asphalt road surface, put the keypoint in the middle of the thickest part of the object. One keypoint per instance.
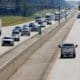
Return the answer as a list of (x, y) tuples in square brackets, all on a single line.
[(6, 31), (35, 67), (68, 69)]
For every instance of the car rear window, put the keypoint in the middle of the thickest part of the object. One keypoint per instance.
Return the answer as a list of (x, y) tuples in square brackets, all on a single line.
[(68, 45), (7, 38)]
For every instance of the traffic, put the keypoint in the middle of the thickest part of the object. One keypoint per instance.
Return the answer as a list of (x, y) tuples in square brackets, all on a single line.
[(26, 29)]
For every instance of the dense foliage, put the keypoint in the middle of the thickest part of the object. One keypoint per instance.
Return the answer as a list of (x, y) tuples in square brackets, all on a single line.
[(28, 7)]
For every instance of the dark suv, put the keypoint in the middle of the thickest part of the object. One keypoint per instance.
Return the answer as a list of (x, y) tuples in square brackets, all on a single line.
[(68, 50)]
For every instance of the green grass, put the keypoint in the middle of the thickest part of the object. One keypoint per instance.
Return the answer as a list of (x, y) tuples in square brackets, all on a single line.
[(13, 20)]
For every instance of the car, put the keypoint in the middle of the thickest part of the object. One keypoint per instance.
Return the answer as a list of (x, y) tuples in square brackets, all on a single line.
[(34, 27), (18, 28), (40, 21), (49, 16), (49, 22), (58, 16), (42, 24), (78, 16), (68, 50), (25, 31), (7, 41), (37, 17), (16, 36)]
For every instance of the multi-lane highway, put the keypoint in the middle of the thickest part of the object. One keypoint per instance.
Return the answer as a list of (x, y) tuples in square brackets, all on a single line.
[(6, 31), (15, 56), (35, 67), (68, 68)]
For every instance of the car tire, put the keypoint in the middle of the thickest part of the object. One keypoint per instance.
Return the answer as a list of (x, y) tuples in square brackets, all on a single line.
[(2, 44), (28, 34), (74, 55), (21, 34), (62, 56), (18, 39), (12, 44), (0, 33)]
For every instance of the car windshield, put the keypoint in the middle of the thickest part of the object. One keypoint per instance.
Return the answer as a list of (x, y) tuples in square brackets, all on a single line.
[(17, 27), (37, 17), (15, 33), (48, 16), (32, 25), (68, 45)]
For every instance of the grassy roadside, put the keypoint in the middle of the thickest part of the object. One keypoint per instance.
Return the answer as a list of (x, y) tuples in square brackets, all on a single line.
[(13, 20)]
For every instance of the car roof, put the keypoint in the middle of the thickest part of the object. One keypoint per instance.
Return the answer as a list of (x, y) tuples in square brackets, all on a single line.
[(17, 27)]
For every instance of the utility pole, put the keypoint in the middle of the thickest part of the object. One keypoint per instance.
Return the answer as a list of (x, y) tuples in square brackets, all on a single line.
[(59, 7), (65, 11)]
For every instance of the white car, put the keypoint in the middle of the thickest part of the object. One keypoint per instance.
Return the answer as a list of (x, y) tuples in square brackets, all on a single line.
[(7, 41)]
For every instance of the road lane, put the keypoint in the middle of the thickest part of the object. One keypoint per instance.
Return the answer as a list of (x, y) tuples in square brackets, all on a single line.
[(68, 69), (7, 32), (35, 66)]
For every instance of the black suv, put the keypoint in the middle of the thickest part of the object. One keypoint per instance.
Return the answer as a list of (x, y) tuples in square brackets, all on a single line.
[(68, 50)]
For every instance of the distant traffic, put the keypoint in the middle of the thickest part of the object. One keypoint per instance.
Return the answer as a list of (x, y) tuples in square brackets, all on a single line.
[(35, 26)]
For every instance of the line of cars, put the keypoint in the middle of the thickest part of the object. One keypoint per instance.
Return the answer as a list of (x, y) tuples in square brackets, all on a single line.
[(24, 30)]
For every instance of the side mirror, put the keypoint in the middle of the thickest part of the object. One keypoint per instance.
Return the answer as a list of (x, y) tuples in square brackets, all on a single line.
[(76, 46), (59, 46)]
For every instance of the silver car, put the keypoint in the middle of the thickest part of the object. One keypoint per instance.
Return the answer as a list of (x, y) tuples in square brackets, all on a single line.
[(16, 36), (68, 50), (25, 31)]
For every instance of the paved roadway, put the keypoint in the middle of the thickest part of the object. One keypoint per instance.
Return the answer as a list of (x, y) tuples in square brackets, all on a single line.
[(68, 69), (36, 65), (6, 31)]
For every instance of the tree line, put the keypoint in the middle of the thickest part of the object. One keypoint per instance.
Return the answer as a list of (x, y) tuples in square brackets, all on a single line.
[(28, 7)]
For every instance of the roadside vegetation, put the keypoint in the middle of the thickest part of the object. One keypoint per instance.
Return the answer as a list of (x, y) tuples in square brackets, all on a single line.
[(13, 20)]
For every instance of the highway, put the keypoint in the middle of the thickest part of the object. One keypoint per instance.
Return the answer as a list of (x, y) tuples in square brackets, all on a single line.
[(6, 31), (67, 69), (35, 67), (32, 49)]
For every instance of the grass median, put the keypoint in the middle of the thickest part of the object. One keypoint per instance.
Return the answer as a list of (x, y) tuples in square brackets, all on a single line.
[(13, 20)]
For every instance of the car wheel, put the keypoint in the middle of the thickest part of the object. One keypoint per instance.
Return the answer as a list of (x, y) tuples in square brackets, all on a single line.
[(12, 44), (62, 56), (2, 44), (21, 34), (0, 33), (28, 34), (74, 55), (19, 39)]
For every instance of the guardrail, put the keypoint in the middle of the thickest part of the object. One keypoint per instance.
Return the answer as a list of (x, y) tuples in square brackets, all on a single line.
[(14, 58)]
